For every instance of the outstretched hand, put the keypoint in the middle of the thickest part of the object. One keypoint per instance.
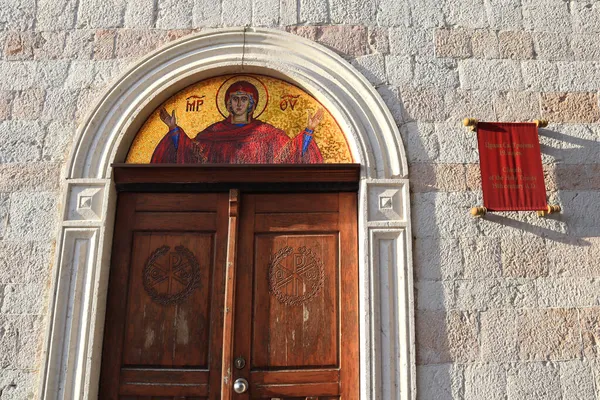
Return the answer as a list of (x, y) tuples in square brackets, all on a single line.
[(169, 120), (315, 120)]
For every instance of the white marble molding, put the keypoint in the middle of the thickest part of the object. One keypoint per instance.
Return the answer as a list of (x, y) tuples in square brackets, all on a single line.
[(73, 347)]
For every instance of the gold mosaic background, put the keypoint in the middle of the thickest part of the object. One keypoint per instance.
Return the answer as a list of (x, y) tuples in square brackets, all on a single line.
[(328, 135)]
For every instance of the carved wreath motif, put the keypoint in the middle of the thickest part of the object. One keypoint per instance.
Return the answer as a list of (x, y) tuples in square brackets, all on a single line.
[(299, 284), (169, 277)]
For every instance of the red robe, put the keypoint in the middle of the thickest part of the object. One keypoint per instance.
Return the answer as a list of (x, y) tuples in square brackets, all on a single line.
[(225, 143)]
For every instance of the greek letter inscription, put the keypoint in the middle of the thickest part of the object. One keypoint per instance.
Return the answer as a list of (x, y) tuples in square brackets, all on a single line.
[(169, 277), (300, 281)]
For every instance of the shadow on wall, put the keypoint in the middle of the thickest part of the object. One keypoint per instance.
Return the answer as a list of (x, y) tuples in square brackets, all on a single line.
[(474, 276)]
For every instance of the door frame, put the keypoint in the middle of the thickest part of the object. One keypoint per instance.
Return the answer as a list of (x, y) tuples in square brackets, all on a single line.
[(77, 298)]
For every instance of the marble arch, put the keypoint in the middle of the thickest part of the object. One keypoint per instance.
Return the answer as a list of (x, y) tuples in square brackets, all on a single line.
[(73, 346)]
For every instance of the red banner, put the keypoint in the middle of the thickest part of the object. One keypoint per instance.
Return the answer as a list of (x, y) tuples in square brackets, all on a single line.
[(511, 167)]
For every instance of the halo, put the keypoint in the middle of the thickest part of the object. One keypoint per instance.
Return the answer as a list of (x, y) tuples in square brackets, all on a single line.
[(263, 94)]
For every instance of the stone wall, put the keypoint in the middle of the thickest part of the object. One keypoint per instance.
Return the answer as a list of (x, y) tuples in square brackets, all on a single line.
[(507, 307)]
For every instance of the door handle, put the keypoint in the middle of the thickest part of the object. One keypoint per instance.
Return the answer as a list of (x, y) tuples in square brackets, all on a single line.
[(240, 385)]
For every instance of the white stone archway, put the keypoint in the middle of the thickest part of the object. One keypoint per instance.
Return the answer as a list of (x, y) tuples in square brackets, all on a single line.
[(78, 296)]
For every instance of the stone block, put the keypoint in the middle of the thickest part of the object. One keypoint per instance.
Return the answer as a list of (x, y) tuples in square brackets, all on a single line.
[(586, 16), (547, 16), (21, 141), (589, 320), (420, 141), (470, 103), (79, 45), (577, 146), (457, 144), (236, 12), (104, 44), (351, 41), (548, 334), (473, 177), (408, 41), (485, 382), (524, 257), (29, 176), (19, 46), (391, 97), (28, 104), (32, 259), (372, 66), (54, 15), (8, 342), (379, 41), (440, 382), (504, 14), (58, 141), (570, 257), (576, 380), (516, 106), (92, 74), (568, 292), (176, 34), (437, 259), (313, 12), (487, 294), (174, 14), (288, 12), (4, 212), (32, 216), (499, 336), (585, 47), (517, 45), (137, 43), (423, 104), (434, 295), (482, 257), (426, 13), (60, 104), (552, 46), (570, 107), (6, 100), (576, 214), (437, 177), (446, 337), (441, 214), (352, 12), (540, 75), (578, 76), (490, 74), (17, 15), (467, 14), (51, 73), (454, 43), (17, 75), (265, 12), (484, 44), (50, 45), (399, 69), (141, 13), (534, 381), (101, 14), (26, 298), (440, 73), (393, 13)]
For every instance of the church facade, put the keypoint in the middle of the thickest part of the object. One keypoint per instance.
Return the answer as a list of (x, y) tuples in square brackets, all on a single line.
[(317, 149)]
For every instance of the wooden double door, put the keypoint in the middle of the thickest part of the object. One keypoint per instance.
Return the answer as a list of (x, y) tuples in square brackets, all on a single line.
[(209, 290)]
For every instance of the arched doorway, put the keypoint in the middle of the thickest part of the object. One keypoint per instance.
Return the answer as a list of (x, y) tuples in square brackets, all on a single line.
[(77, 310)]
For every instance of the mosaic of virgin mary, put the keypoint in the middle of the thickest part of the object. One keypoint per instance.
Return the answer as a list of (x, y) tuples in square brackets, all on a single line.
[(239, 138)]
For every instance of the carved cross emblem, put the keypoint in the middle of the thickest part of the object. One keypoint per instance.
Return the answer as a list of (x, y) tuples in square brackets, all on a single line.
[(170, 277), (299, 282)]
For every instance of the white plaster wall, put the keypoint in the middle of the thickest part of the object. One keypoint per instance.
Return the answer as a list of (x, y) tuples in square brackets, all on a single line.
[(506, 308)]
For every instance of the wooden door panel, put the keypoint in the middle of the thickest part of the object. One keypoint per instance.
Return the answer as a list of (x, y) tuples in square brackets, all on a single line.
[(164, 314), (295, 321), (168, 300), (297, 254)]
